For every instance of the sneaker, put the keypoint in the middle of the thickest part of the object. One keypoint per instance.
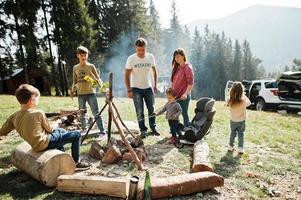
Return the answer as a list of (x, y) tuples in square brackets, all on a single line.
[(101, 135), (155, 132), (82, 165), (143, 134), (231, 148), (240, 150), (83, 131), (172, 140)]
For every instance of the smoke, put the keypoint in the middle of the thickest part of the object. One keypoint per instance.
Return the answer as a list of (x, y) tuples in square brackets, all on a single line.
[(117, 56), (116, 60)]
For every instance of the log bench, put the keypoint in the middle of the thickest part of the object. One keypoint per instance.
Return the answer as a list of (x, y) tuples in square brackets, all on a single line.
[(82, 184), (184, 184), (43, 166)]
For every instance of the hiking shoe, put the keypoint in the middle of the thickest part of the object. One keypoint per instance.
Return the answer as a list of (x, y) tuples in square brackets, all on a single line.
[(172, 140), (155, 132), (240, 150), (82, 165), (231, 148)]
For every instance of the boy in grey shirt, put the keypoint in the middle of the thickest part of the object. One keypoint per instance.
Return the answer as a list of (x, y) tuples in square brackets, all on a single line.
[(173, 111)]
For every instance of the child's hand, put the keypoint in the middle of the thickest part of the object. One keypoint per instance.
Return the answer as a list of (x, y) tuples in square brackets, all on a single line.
[(156, 114)]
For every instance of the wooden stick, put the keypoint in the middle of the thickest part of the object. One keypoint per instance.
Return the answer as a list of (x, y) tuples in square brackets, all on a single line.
[(93, 123), (129, 147), (117, 112), (110, 99)]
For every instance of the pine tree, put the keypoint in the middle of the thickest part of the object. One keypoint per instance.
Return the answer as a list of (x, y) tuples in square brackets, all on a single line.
[(286, 68), (196, 61), (5, 68), (249, 69), (235, 70), (155, 41), (173, 35), (95, 10), (24, 23), (69, 34), (45, 8)]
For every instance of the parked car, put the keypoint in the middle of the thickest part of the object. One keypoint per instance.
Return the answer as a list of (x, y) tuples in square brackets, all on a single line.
[(262, 93), (289, 85)]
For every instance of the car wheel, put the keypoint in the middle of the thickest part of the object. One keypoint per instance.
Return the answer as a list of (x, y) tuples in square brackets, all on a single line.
[(292, 111), (260, 105)]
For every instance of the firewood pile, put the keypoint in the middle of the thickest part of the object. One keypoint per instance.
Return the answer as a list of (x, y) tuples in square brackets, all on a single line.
[(115, 150)]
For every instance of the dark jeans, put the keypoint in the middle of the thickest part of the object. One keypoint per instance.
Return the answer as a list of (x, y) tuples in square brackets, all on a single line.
[(59, 137), (92, 101), (148, 96), (185, 106), (237, 128), (173, 125)]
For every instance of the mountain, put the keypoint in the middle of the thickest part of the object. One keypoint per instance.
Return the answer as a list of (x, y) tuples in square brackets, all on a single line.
[(274, 33)]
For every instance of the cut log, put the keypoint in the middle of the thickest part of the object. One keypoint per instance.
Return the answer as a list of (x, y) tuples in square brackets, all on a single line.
[(92, 185), (96, 151), (127, 156), (181, 185), (43, 166), (113, 155), (201, 161)]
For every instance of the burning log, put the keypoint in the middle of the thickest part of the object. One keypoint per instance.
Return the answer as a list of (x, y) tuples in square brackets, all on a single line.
[(43, 166), (181, 185), (201, 160)]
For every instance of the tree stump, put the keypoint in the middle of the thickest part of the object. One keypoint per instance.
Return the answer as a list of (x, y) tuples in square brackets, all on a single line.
[(201, 161), (43, 166)]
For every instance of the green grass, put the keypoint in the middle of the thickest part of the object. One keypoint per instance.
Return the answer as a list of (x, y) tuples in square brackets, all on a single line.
[(271, 139)]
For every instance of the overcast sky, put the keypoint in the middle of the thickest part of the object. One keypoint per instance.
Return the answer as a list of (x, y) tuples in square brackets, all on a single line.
[(190, 10)]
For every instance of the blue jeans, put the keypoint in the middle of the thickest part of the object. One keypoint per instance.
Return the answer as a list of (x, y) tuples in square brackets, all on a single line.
[(237, 128), (148, 96), (92, 101), (173, 125), (59, 137), (185, 106)]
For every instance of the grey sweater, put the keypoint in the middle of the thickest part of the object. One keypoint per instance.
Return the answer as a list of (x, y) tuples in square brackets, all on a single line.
[(173, 110)]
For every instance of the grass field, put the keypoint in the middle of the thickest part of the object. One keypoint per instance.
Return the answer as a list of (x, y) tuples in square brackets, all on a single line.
[(272, 143)]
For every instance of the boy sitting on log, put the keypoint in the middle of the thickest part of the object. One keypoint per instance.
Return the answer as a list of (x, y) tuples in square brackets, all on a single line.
[(33, 126)]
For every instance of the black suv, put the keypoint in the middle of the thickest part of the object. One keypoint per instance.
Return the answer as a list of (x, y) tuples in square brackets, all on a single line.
[(289, 85)]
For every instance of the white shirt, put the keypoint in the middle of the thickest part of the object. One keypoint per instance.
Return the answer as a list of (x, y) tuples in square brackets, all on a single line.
[(141, 70)]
